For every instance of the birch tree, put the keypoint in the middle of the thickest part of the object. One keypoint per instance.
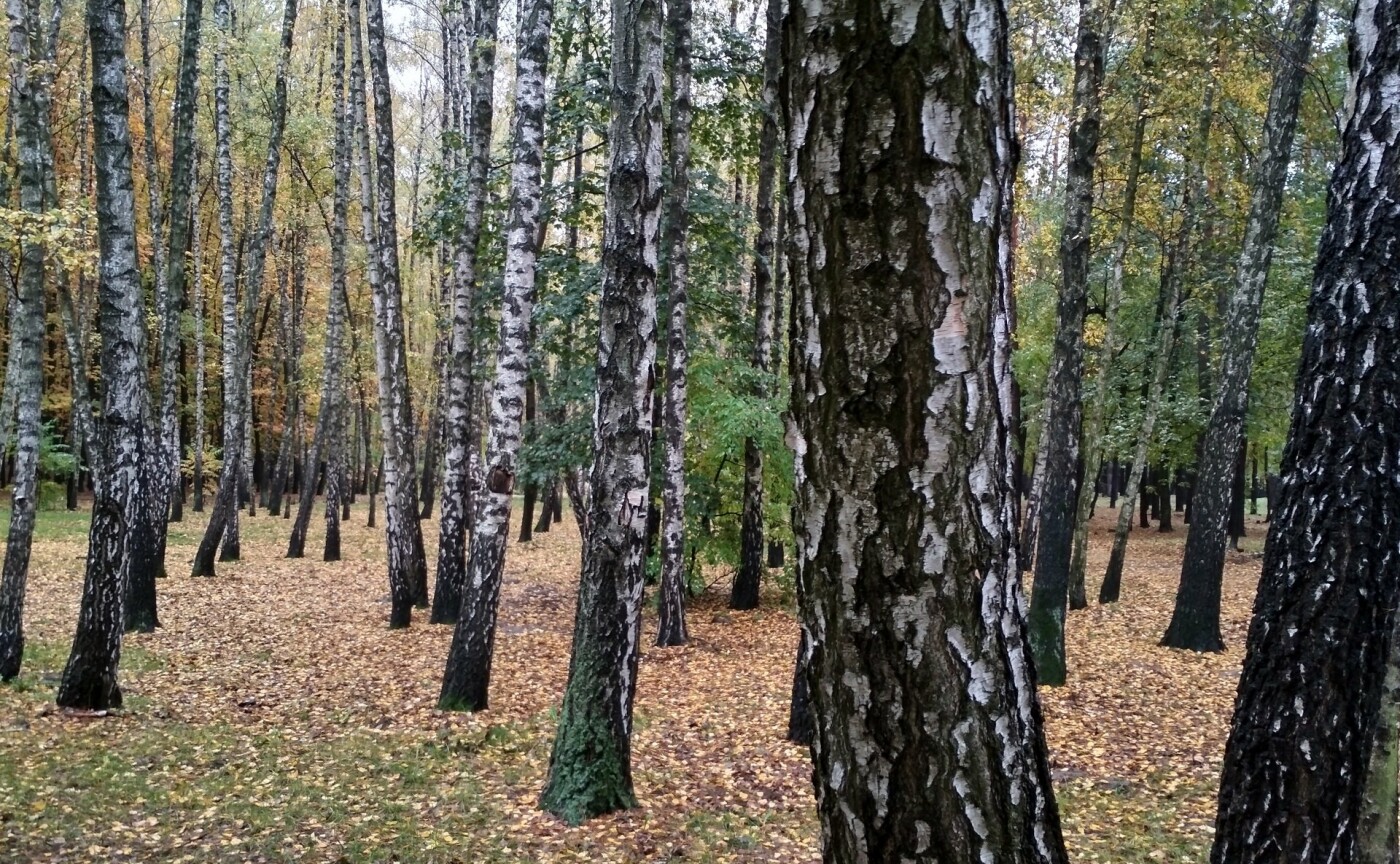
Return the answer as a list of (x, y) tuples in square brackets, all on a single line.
[(590, 766), (928, 742), (238, 329), (1308, 707), (745, 594), (466, 681), (457, 382), (30, 88), (408, 572), (332, 385), (1195, 621), (670, 626), (90, 676), (1060, 438)]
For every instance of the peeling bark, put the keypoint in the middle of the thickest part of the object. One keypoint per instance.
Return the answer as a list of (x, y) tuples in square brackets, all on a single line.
[(1294, 782), (928, 743), (671, 626), (90, 676), (590, 766), (1195, 621), (466, 681)]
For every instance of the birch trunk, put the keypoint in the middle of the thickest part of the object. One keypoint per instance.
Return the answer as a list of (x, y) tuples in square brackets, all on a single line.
[(748, 578), (1195, 621), (332, 385), (90, 676), (182, 227), (30, 98), (1060, 439), (200, 361), (590, 770), (671, 625), (408, 575), (1170, 308), (1108, 349), (223, 522), (457, 487), (928, 741), (1310, 695), (466, 681)]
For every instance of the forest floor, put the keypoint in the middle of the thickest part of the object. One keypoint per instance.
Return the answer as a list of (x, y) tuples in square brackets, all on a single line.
[(274, 718)]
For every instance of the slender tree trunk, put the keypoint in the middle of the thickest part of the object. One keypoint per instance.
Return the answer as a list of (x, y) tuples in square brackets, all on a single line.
[(200, 362), (466, 681), (747, 578), (1195, 621), (590, 767), (671, 626), (29, 86), (408, 574), (332, 387), (1058, 498), (1169, 310), (928, 741), (457, 487), (90, 676), (1031, 521), (171, 287), (1309, 707), (1108, 350), (532, 487), (223, 522)]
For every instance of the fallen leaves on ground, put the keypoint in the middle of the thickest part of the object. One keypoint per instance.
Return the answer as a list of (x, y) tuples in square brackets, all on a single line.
[(274, 718)]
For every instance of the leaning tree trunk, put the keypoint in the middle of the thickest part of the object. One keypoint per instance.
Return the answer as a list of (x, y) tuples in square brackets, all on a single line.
[(747, 578), (238, 330), (29, 89), (466, 681), (200, 362), (1306, 719), (1060, 439), (670, 625), (408, 574), (1108, 349), (90, 677), (928, 741), (590, 767), (226, 498), (1196, 619), (332, 385), (182, 227), (1168, 311), (450, 584)]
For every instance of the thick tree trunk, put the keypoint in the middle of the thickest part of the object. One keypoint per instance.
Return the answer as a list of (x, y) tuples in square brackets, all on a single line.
[(928, 741), (1060, 440), (748, 578), (1195, 621), (590, 767), (90, 677), (466, 681), (457, 488), (671, 625), (29, 88), (1308, 709)]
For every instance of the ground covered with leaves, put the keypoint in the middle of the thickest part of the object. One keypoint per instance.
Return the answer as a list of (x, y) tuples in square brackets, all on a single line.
[(273, 717)]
